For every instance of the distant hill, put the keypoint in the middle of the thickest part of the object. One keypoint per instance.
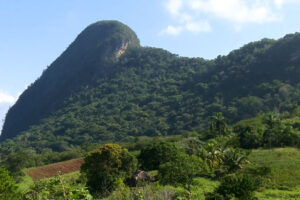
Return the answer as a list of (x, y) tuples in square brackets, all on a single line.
[(106, 87)]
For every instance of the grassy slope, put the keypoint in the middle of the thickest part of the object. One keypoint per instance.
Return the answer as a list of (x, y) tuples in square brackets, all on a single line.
[(284, 180), (285, 174), (27, 181), (284, 162)]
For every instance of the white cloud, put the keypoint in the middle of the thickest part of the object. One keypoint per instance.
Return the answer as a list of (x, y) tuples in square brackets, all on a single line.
[(196, 15), (6, 98), (238, 11), (173, 6), (280, 3), (190, 26), (186, 21), (198, 27), (6, 101), (171, 30)]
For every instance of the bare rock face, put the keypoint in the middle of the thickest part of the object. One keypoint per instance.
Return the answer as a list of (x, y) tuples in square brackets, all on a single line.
[(122, 49)]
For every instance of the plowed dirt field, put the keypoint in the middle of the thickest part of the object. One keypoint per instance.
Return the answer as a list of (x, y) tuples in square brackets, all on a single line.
[(52, 169)]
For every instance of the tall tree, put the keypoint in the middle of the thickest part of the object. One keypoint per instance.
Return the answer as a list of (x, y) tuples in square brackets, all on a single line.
[(181, 170), (157, 153), (218, 125)]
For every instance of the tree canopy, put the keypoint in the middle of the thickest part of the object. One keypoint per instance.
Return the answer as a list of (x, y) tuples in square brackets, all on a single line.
[(153, 155), (105, 166)]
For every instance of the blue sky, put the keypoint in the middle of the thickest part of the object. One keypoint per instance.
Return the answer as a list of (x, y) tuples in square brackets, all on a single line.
[(33, 33)]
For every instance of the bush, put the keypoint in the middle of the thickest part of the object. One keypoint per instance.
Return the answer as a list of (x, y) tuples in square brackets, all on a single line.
[(56, 188), (8, 188), (181, 170), (241, 186), (156, 154), (17, 161), (249, 137), (107, 165)]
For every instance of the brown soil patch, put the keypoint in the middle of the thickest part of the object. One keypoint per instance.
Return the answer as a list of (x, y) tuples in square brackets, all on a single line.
[(51, 170)]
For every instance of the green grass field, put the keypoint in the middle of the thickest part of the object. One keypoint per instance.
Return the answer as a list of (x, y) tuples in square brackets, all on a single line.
[(284, 163), (284, 180)]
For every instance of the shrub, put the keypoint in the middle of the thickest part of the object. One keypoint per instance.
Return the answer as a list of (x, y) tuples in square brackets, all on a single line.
[(105, 166), (56, 188), (249, 137), (241, 186), (156, 154), (181, 170), (8, 188)]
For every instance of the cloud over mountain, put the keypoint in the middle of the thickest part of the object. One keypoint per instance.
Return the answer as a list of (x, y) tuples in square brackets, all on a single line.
[(6, 100), (196, 16)]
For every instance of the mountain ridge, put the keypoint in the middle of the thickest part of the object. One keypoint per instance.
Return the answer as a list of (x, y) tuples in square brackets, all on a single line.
[(150, 91)]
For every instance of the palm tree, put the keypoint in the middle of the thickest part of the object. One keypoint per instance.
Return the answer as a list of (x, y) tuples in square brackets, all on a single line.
[(218, 124), (234, 159), (271, 120), (213, 155)]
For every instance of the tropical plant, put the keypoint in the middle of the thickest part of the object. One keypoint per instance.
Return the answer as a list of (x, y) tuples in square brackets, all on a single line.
[(272, 120), (212, 154), (218, 125), (234, 159)]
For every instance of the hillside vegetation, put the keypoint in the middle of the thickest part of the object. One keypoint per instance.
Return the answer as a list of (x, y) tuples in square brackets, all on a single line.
[(222, 163), (91, 95)]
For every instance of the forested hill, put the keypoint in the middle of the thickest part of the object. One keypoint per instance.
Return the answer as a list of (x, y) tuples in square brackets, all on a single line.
[(87, 59), (93, 93)]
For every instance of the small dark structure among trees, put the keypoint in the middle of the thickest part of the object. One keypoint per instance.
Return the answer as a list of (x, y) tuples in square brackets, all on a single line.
[(139, 176)]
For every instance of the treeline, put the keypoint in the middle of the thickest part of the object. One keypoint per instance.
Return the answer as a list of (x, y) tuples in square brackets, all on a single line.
[(264, 131), (276, 133)]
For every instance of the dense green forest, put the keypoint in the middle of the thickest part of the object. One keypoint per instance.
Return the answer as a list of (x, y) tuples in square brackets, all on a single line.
[(88, 95)]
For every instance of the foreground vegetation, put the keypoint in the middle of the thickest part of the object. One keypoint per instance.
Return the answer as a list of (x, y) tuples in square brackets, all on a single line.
[(283, 186), (217, 164)]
